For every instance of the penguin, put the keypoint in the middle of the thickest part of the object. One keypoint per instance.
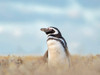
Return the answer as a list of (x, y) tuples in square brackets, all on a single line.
[(57, 53)]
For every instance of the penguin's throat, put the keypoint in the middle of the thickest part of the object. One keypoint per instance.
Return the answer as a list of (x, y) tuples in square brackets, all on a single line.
[(51, 38)]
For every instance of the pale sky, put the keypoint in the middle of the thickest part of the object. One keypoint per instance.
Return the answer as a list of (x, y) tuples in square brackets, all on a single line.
[(21, 20)]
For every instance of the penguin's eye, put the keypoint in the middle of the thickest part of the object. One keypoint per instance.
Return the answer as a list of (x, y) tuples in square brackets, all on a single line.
[(50, 31)]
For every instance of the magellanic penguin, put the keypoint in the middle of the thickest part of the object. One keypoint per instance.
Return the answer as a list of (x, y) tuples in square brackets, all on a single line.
[(57, 53)]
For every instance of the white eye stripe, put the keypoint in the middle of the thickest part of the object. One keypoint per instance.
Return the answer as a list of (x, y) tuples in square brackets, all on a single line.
[(56, 32)]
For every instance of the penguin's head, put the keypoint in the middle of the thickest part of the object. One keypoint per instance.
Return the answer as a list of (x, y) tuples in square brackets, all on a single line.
[(52, 31)]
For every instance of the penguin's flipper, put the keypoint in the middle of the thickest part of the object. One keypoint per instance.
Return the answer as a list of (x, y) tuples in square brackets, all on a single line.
[(68, 55), (45, 56)]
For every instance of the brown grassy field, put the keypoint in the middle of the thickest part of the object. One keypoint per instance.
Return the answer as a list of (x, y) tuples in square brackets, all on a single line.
[(31, 65)]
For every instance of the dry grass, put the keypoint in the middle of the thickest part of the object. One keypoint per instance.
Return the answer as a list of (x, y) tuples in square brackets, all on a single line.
[(30, 65)]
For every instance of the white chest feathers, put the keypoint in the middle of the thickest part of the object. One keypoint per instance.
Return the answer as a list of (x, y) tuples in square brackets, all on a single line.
[(56, 52)]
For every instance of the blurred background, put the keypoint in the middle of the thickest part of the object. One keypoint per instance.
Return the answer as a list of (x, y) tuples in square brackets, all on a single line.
[(21, 20)]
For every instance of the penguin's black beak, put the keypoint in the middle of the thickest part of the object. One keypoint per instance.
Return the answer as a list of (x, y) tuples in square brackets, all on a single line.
[(46, 29)]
